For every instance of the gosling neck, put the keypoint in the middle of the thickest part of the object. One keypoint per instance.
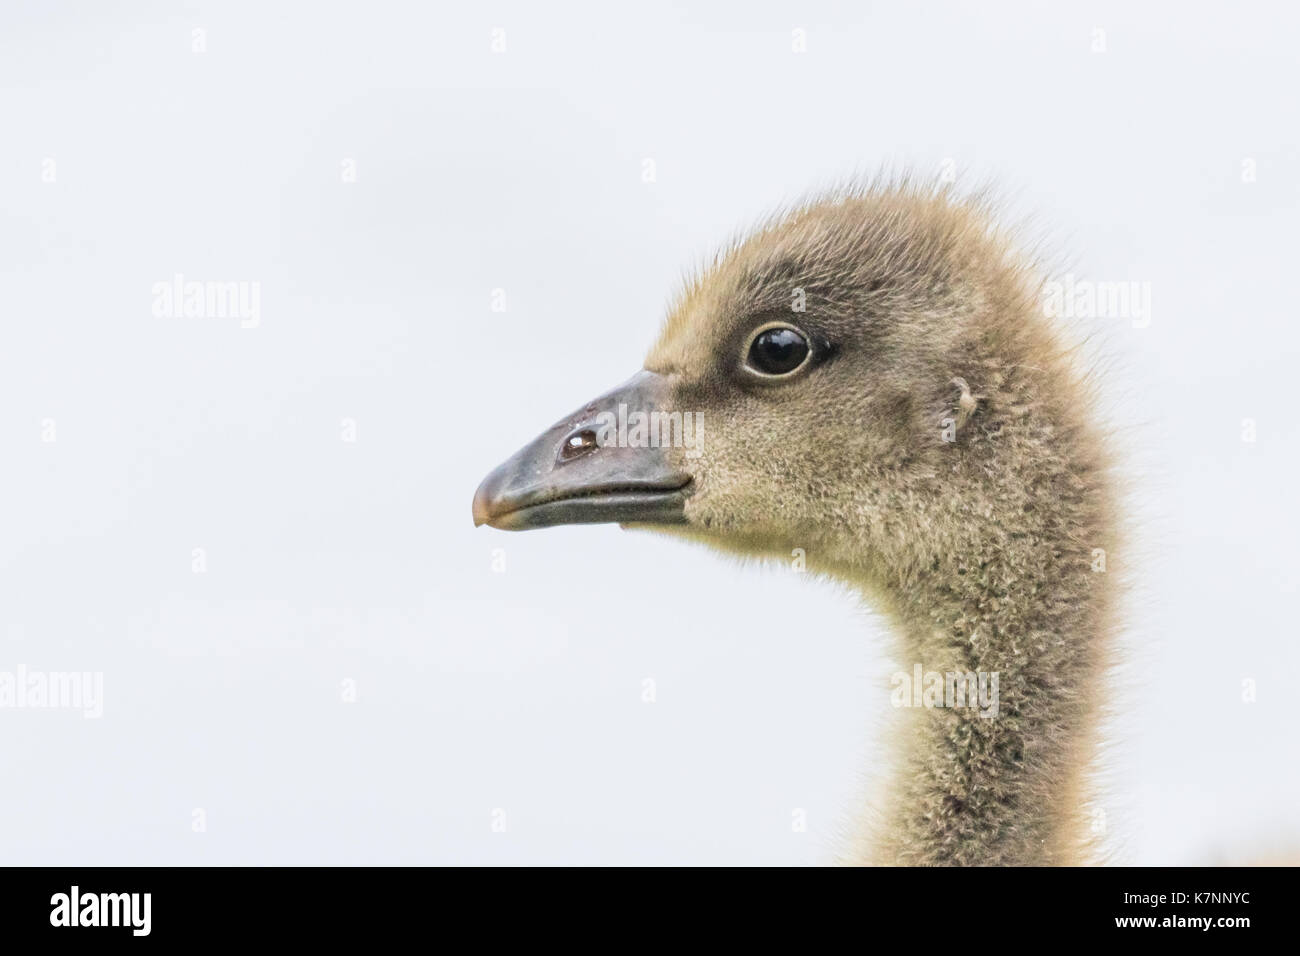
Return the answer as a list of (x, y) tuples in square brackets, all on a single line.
[(1010, 595)]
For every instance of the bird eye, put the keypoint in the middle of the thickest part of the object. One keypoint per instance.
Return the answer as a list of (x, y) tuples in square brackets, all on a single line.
[(778, 350)]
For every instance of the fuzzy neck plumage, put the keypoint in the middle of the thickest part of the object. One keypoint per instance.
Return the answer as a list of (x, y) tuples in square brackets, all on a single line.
[(1005, 573)]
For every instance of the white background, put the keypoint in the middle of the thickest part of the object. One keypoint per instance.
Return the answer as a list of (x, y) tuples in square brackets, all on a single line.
[(521, 691)]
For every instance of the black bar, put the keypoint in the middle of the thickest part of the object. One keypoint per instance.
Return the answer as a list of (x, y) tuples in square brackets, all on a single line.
[(376, 905)]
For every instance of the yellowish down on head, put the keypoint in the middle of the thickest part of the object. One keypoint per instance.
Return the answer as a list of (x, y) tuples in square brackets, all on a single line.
[(870, 378)]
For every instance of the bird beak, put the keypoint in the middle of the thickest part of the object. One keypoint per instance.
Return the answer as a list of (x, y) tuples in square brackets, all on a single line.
[(588, 469)]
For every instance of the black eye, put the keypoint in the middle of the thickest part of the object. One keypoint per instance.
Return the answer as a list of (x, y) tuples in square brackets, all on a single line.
[(778, 351)]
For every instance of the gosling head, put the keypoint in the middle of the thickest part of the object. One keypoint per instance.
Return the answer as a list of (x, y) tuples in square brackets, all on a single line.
[(810, 386)]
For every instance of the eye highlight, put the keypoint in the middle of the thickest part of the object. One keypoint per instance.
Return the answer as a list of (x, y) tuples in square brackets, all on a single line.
[(777, 350)]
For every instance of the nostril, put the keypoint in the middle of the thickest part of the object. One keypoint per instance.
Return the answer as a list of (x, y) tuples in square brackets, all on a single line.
[(578, 444)]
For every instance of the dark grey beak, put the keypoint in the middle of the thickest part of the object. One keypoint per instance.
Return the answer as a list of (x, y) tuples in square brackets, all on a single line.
[(584, 470)]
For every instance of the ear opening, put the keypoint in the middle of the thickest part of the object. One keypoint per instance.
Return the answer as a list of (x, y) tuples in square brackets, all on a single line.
[(966, 402)]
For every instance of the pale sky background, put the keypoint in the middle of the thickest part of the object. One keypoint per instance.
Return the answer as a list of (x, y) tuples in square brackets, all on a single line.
[(331, 561)]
